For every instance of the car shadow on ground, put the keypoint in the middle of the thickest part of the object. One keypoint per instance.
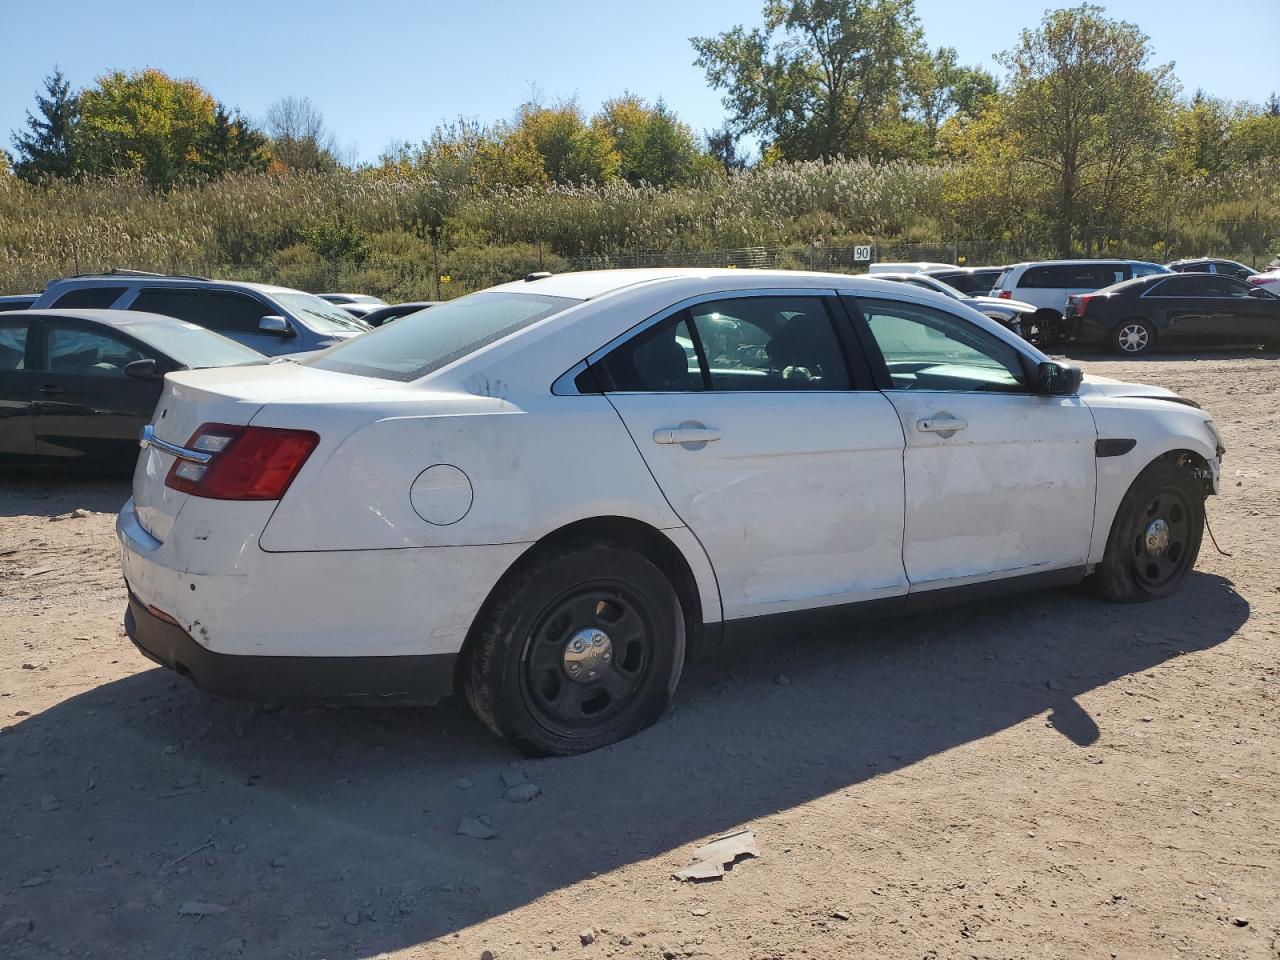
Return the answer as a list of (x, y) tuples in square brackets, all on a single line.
[(332, 832), (45, 492)]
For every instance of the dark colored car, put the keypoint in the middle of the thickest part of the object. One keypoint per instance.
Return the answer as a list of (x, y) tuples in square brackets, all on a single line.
[(18, 301), (971, 281), (1227, 268), (77, 386), (376, 318), (1190, 308)]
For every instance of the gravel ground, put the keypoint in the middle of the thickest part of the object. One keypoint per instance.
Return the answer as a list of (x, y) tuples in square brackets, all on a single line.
[(1046, 776)]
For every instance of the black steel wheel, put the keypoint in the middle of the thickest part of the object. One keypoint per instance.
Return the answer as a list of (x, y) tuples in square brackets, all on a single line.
[(587, 654), (1160, 552), (1155, 537), (581, 646)]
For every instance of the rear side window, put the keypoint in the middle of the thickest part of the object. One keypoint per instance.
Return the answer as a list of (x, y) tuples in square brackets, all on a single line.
[(1040, 278), (89, 298), (756, 344), (13, 345), (662, 359), (214, 309), (422, 343), (770, 343), (1150, 269)]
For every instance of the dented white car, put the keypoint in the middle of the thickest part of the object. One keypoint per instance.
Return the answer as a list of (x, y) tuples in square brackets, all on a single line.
[(548, 493)]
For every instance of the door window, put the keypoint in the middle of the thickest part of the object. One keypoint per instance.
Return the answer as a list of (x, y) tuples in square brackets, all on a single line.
[(928, 349), (1224, 286), (89, 298), (13, 346), (1184, 285), (737, 344), (770, 343), (72, 350), (662, 359), (218, 310)]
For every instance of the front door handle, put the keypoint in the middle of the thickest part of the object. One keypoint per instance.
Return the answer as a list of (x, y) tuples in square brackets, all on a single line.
[(52, 388), (693, 434), (941, 424)]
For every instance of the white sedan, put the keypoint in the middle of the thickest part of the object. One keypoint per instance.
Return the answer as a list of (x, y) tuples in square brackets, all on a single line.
[(547, 493)]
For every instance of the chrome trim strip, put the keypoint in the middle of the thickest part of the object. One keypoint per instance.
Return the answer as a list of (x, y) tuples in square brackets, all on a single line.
[(149, 439)]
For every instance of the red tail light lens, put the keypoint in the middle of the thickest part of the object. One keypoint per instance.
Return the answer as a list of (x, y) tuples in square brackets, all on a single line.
[(1082, 302), (1005, 294), (245, 463)]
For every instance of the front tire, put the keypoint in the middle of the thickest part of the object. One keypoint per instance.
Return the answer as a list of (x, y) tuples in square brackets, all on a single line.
[(1155, 537), (584, 647), (1133, 337)]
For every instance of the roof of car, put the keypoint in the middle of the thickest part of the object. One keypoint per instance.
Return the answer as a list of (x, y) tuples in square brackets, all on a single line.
[(933, 270), (136, 322), (588, 284), (132, 279), (1076, 260)]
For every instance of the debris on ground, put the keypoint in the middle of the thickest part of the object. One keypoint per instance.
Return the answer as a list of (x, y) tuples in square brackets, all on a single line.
[(711, 861), (474, 827), (587, 937), (523, 792)]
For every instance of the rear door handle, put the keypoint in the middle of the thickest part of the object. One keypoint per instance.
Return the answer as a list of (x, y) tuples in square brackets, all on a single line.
[(685, 434), (52, 388), (941, 424)]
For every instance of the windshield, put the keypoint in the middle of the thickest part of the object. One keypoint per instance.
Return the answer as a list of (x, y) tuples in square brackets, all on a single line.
[(319, 315), (195, 346), (421, 343)]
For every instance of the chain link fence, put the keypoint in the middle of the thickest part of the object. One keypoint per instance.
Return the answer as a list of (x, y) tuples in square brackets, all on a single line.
[(454, 273)]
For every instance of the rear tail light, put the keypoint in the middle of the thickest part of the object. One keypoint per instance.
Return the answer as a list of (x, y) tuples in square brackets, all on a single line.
[(245, 463), (1005, 294), (1081, 302)]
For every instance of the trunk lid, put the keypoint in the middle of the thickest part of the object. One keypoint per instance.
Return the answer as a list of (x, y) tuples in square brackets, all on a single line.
[(226, 395)]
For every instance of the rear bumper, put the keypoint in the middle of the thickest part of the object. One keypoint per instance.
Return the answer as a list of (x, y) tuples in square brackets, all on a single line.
[(422, 679), (233, 598)]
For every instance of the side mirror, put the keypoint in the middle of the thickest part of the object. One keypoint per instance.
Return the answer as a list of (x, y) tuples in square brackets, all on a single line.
[(1057, 379), (1258, 293), (277, 325), (141, 369)]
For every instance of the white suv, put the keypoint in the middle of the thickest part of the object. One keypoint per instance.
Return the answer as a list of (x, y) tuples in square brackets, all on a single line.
[(1048, 283)]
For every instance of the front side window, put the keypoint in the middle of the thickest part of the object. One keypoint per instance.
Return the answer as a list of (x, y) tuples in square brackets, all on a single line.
[(422, 343), (89, 298), (194, 346), (13, 345), (74, 350), (1223, 286), (1184, 285), (927, 349)]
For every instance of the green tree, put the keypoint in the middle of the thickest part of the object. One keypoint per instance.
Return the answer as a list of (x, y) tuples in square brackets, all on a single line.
[(232, 145), (572, 150), (653, 145), (147, 122), (819, 74), (1087, 109), (47, 147)]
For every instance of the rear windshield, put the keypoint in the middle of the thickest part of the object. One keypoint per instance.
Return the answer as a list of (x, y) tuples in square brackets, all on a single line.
[(195, 346), (423, 342)]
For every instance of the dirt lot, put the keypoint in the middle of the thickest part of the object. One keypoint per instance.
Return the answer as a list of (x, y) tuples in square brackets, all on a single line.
[(1041, 777)]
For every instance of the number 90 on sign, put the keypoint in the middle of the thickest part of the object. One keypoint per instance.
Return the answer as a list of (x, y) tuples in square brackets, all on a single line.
[(862, 254)]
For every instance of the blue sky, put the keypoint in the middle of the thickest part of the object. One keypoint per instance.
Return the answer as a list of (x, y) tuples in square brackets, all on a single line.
[(387, 70)]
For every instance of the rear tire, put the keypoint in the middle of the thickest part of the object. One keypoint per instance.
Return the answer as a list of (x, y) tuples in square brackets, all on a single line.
[(582, 648), (1155, 537), (1133, 337)]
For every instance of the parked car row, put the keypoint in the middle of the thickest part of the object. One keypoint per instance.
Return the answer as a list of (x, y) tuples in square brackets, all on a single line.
[(1128, 306)]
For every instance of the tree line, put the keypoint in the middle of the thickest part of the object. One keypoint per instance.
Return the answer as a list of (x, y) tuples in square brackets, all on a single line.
[(1079, 134)]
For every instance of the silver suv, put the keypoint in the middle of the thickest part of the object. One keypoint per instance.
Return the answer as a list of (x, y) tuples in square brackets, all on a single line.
[(271, 320), (1048, 283)]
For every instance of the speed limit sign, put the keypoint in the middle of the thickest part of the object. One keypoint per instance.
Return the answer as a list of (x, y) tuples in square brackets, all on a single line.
[(862, 254)]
